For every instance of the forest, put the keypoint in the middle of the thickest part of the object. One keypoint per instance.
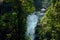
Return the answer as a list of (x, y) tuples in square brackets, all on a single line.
[(13, 19)]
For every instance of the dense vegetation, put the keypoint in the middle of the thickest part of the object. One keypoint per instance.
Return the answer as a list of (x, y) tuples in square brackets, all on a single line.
[(13, 19), (51, 22)]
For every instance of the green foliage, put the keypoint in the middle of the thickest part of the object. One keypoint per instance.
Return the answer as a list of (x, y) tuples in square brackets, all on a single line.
[(8, 20), (27, 6), (8, 36), (13, 18), (51, 21)]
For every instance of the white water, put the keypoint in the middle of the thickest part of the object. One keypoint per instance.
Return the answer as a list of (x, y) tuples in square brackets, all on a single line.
[(32, 21), (31, 24)]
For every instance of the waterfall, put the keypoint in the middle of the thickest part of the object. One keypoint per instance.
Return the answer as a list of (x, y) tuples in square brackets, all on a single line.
[(32, 21), (31, 24)]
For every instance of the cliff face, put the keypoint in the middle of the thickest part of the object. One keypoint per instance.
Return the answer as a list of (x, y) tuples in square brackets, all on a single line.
[(39, 4)]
